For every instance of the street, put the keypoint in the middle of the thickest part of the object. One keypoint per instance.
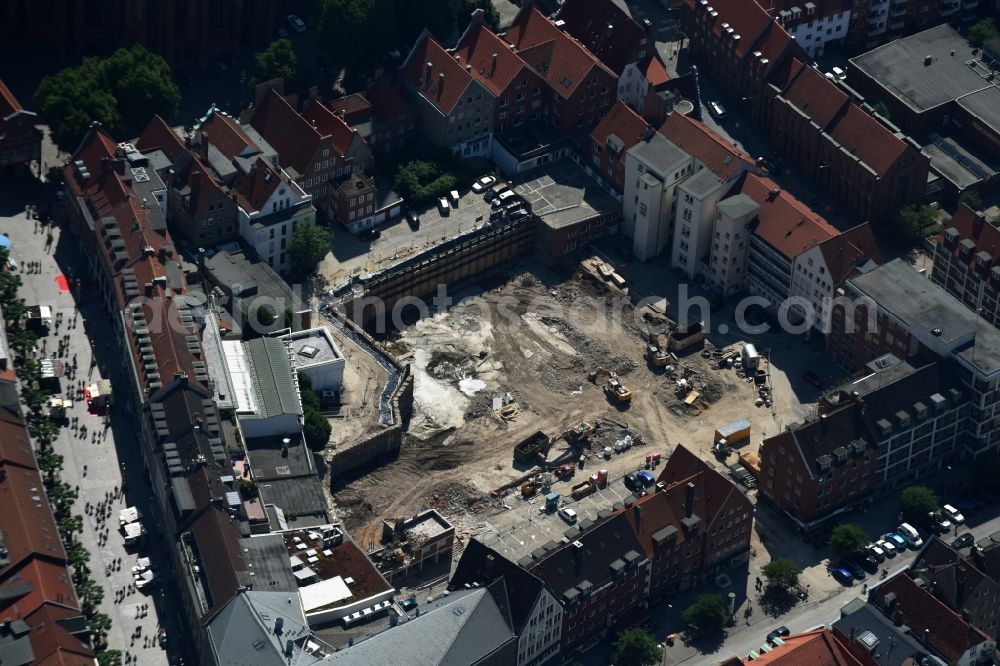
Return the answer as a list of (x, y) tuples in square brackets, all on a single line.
[(95, 455)]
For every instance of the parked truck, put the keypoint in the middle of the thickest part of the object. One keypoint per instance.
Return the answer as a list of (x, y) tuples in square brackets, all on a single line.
[(617, 390)]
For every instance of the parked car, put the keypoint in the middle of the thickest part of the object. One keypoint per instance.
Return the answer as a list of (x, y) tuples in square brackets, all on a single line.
[(408, 604), (963, 541), (281, 32), (853, 567), (953, 513), (483, 183), (910, 535), (632, 482), (887, 547), (876, 552), (443, 206), (646, 479), (717, 110), (569, 515), (842, 575), (867, 562), (413, 219), (297, 23), (839, 73), (939, 523), (369, 234), (896, 540), (780, 632)]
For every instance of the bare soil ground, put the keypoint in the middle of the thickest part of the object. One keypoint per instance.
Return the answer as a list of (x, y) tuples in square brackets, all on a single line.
[(535, 355)]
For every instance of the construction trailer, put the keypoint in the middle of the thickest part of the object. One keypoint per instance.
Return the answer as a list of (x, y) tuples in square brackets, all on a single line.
[(751, 359), (735, 434)]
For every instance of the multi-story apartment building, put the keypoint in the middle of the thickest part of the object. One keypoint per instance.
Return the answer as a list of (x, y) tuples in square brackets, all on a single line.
[(455, 110), (734, 218), (536, 615), (611, 139), (187, 34), (891, 310), (200, 207), (269, 203), (820, 468), (860, 162), (968, 585), (813, 24), (621, 43), (381, 116), (581, 87), (519, 91), (20, 140), (965, 262)]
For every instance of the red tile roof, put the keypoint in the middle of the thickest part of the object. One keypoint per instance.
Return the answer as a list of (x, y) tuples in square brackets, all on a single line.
[(696, 139), (821, 647), (390, 107), (654, 70), (624, 123), (330, 124), (217, 540), (159, 135), (8, 106), (655, 513), (227, 136), (867, 139), (814, 95), (445, 93), (606, 30), (928, 619), (745, 17), (353, 108), (28, 526), (51, 643), (773, 44), (297, 141), (15, 448), (557, 57), (787, 224), (844, 252), (476, 49), (42, 581)]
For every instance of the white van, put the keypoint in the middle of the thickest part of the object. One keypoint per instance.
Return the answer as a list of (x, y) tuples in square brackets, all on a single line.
[(910, 535), (443, 206)]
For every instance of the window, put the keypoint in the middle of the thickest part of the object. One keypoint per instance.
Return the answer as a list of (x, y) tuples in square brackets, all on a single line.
[(326, 152), (642, 209), (316, 167)]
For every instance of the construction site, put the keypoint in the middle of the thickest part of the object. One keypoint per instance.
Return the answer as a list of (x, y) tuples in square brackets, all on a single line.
[(537, 385)]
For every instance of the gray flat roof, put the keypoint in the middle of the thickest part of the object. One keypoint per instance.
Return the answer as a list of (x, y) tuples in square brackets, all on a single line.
[(268, 462), (311, 347), (985, 105), (658, 152), (702, 183), (269, 557), (561, 194), (896, 646), (956, 163), (899, 67)]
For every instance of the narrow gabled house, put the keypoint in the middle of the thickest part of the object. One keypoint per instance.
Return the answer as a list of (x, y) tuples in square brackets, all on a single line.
[(611, 139), (20, 140)]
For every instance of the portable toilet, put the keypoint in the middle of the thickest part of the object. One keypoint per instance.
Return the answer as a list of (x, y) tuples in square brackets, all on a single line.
[(552, 501)]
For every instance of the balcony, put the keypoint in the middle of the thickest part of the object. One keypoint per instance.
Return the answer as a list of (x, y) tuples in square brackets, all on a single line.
[(897, 12), (876, 28)]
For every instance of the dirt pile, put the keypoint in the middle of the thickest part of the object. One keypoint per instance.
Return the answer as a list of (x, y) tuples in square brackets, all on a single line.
[(458, 499)]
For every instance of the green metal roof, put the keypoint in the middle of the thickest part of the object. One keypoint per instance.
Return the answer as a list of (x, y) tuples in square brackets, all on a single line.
[(273, 378)]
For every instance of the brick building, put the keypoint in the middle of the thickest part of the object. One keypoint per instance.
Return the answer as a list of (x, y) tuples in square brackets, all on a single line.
[(20, 140), (813, 24), (965, 262), (381, 116), (860, 162), (967, 584), (611, 139), (581, 88), (187, 34)]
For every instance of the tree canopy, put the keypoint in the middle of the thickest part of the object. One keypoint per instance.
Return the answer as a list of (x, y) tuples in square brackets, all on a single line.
[(358, 32), (916, 503), (848, 539), (465, 10), (310, 243), (707, 613), (782, 574), (412, 17), (277, 61), (913, 222), (635, 647), (316, 429), (122, 91), (980, 32)]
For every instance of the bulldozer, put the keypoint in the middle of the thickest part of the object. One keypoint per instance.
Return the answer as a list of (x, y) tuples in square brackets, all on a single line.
[(617, 390)]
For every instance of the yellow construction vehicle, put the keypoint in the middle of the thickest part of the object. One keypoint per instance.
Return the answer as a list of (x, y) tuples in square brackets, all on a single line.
[(617, 390)]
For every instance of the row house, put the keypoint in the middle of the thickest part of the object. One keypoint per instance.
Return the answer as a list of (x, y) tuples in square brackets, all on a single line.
[(813, 25), (516, 87), (866, 167), (893, 309), (611, 140), (967, 584), (200, 206), (623, 44), (270, 204), (455, 110), (737, 43), (20, 140), (581, 88), (381, 116), (965, 262), (536, 615)]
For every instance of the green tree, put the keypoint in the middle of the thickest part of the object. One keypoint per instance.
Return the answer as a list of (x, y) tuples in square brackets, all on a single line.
[(412, 17), (916, 503), (310, 243), (971, 199), (277, 61), (420, 181), (635, 647), (316, 429), (357, 32), (465, 10), (782, 574), (109, 658), (980, 32), (77, 557), (91, 594), (100, 625), (121, 91), (265, 316), (912, 222), (707, 613), (881, 109), (309, 397), (70, 526), (848, 539)]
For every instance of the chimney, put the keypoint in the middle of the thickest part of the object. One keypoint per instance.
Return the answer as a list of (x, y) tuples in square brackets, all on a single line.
[(489, 567), (478, 17), (279, 624), (689, 498), (428, 71), (496, 56)]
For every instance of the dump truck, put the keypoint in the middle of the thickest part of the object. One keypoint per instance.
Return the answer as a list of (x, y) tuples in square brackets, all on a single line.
[(583, 489), (617, 390), (686, 336), (532, 448)]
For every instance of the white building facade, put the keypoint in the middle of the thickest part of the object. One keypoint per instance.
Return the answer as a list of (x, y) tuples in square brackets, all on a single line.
[(539, 641), (813, 30), (731, 244), (269, 229), (653, 170)]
